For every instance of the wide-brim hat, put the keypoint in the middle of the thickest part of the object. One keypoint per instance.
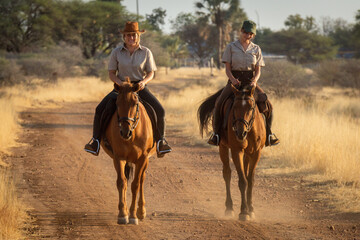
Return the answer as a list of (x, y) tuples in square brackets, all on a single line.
[(249, 26), (131, 27)]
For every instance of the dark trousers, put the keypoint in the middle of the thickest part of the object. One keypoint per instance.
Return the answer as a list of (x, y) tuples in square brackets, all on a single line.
[(108, 104)]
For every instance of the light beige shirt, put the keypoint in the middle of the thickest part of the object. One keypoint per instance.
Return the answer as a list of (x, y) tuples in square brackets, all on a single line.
[(240, 59), (134, 66)]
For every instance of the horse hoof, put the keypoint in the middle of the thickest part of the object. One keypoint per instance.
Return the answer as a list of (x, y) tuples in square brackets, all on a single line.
[(229, 213), (244, 217), (252, 215), (141, 216), (134, 221), (123, 220)]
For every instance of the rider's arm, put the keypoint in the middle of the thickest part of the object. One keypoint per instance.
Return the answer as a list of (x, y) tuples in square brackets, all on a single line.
[(257, 75), (114, 78), (233, 80)]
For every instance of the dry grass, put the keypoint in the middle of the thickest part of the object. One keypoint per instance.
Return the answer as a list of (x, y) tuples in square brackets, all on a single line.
[(12, 212)]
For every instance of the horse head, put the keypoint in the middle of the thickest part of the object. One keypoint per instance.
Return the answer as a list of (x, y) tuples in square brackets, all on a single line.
[(127, 111), (243, 111)]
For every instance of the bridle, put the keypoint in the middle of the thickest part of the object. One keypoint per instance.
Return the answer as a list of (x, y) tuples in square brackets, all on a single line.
[(132, 122), (248, 125)]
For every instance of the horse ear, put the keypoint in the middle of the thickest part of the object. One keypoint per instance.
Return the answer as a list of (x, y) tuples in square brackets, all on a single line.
[(253, 90), (127, 79), (234, 89), (116, 86), (135, 88)]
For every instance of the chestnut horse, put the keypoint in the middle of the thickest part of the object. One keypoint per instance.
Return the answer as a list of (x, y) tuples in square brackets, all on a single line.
[(245, 137), (128, 140)]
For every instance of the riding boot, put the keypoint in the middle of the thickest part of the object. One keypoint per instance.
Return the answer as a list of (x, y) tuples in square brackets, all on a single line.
[(162, 146), (215, 138), (271, 139), (93, 146)]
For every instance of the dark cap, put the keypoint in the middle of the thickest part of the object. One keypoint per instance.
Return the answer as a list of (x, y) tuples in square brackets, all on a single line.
[(249, 26)]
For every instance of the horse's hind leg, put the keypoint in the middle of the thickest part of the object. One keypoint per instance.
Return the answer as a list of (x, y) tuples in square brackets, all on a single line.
[(141, 211), (224, 156), (135, 187), (121, 184)]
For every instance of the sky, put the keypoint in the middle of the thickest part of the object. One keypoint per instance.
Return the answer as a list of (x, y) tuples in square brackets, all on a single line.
[(266, 13)]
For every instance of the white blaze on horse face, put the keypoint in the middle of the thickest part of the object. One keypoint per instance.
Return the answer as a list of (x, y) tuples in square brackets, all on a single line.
[(243, 103)]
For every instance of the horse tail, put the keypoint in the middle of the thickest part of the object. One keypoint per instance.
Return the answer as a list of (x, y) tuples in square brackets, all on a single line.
[(205, 111), (129, 169)]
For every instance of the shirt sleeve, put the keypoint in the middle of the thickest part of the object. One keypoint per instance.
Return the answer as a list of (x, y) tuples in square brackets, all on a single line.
[(150, 65), (226, 57), (113, 63), (260, 60)]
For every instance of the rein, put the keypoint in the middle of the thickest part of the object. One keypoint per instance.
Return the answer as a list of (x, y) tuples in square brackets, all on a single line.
[(247, 124), (134, 120)]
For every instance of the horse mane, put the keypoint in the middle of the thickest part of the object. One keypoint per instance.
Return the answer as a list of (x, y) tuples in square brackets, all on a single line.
[(205, 111)]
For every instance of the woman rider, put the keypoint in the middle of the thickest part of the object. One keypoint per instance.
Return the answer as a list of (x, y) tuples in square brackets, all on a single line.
[(243, 61), (136, 62)]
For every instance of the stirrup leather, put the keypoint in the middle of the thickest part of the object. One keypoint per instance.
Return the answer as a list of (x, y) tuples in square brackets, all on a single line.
[(98, 147)]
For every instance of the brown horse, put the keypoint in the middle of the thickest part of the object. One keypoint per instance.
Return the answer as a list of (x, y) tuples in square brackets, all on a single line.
[(129, 141), (245, 137)]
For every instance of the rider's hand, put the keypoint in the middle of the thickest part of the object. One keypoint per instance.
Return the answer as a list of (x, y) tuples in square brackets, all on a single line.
[(235, 82), (141, 85)]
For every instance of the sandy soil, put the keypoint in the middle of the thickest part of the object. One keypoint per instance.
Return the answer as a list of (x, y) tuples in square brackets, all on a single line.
[(72, 194)]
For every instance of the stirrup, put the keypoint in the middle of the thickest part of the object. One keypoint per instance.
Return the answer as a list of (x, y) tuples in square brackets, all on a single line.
[(214, 135), (163, 151), (98, 147), (269, 140)]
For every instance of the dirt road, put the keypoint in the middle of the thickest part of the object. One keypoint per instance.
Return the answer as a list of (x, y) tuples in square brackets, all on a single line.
[(73, 195)]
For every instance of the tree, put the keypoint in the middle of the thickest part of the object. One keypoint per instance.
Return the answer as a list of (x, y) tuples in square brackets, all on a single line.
[(297, 22), (97, 24), (156, 18), (221, 12), (197, 34), (25, 23), (301, 46)]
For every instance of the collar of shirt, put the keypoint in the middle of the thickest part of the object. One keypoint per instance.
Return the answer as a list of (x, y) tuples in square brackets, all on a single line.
[(123, 47), (238, 44)]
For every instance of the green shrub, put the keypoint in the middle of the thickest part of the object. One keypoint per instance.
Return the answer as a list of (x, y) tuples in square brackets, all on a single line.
[(9, 72), (283, 77)]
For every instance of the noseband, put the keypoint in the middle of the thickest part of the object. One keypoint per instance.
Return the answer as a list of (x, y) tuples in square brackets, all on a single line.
[(248, 125), (134, 120)]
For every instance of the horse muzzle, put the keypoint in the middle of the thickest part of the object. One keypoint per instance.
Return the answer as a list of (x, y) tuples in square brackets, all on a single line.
[(126, 134)]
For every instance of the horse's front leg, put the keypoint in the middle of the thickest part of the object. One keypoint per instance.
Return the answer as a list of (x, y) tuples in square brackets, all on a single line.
[(238, 158), (135, 187), (141, 211), (252, 161), (121, 184), (224, 156)]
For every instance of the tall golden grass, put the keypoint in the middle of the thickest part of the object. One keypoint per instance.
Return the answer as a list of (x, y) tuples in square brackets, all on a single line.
[(12, 212)]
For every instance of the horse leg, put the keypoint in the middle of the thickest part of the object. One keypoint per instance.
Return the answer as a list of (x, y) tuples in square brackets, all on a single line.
[(135, 187), (224, 156), (252, 162), (238, 157), (121, 184), (141, 211)]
